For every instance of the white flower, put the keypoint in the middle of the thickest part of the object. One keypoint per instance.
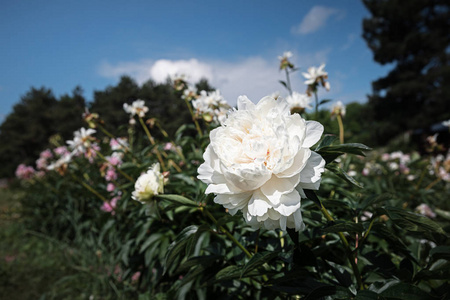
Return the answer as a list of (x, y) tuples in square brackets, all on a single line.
[(259, 162), (314, 75), (338, 109), (299, 101), (136, 108), (148, 185), (212, 105), (190, 93), (286, 55), (61, 162), (82, 140), (446, 123)]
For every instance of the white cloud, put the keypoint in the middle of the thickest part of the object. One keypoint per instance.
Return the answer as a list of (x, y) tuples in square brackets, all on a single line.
[(315, 19), (254, 77)]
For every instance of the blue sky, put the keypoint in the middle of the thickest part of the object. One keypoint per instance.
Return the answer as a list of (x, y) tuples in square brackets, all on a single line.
[(235, 44)]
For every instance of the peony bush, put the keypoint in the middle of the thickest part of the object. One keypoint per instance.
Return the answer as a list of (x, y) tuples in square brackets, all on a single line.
[(260, 201)]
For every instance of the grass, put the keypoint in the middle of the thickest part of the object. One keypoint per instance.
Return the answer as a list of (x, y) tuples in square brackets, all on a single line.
[(30, 265)]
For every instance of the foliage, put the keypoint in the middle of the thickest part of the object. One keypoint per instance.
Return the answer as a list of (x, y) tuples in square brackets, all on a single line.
[(363, 237)]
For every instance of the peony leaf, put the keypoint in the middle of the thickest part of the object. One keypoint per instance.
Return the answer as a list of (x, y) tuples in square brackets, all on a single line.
[(178, 246), (334, 167), (257, 261), (411, 221), (327, 140), (177, 199), (352, 148), (405, 291), (344, 227)]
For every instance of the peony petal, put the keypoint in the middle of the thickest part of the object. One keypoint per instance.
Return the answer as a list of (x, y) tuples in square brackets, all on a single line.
[(277, 187), (243, 103), (298, 163), (313, 170), (246, 177), (314, 131), (258, 204), (289, 203)]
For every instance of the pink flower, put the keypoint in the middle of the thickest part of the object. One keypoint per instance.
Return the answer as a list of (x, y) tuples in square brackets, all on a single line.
[(41, 163), (61, 151), (111, 174), (46, 154), (135, 276), (425, 210), (168, 146), (25, 172), (110, 187), (114, 160), (110, 206)]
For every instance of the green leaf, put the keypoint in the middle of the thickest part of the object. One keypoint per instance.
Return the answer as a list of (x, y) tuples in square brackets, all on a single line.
[(326, 141), (344, 227), (178, 246), (334, 167), (411, 221), (324, 101), (311, 195), (257, 260), (185, 178), (230, 272), (405, 291), (283, 83), (320, 292), (440, 252), (368, 295), (177, 199), (352, 148)]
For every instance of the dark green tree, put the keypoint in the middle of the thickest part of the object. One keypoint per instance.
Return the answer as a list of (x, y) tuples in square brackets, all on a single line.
[(109, 104), (25, 131), (414, 37), (67, 113)]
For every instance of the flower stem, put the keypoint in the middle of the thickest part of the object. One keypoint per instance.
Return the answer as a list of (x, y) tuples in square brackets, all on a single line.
[(147, 132), (341, 128), (152, 141), (288, 81), (317, 104), (89, 188), (197, 126), (232, 238), (227, 233), (115, 167), (350, 254)]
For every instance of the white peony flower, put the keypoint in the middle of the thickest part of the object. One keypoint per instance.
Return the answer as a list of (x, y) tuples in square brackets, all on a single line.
[(259, 162), (136, 108), (299, 101), (314, 75), (82, 140), (286, 55), (338, 109), (148, 185), (211, 106)]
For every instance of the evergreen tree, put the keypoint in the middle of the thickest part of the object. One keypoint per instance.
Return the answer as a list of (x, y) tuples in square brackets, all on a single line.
[(414, 37)]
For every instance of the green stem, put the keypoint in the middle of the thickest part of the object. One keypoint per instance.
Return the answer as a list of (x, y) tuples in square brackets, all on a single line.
[(152, 141), (350, 255), (89, 188), (317, 105), (147, 132), (110, 135), (366, 233), (115, 167), (197, 126), (341, 128), (288, 81), (227, 233)]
